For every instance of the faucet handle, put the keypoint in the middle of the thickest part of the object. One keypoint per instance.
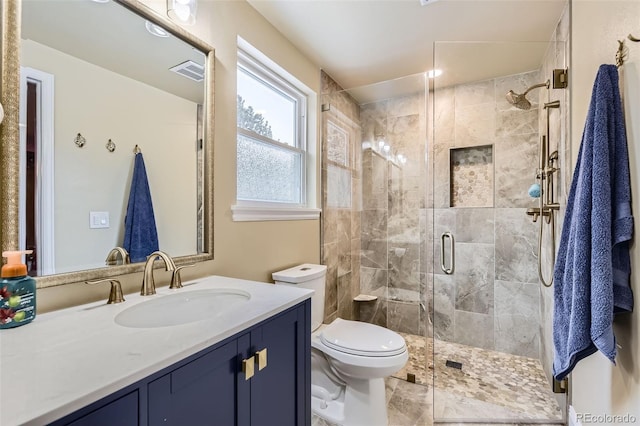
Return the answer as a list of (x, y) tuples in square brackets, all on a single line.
[(112, 257), (176, 279), (115, 295)]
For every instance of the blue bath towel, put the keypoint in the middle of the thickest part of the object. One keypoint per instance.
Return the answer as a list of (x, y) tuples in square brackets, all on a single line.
[(593, 266), (140, 233)]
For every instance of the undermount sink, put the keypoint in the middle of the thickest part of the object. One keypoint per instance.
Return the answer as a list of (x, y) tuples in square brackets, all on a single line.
[(181, 308)]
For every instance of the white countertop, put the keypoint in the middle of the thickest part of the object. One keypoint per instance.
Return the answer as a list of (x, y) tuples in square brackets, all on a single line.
[(67, 359)]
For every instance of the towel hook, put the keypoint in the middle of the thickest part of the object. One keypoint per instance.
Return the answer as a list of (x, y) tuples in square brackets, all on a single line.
[(621, 54), (137, 150), (79, 140)]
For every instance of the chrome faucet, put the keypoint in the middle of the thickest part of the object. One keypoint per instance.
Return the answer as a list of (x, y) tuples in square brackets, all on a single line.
[(148, 285), (112, 257)]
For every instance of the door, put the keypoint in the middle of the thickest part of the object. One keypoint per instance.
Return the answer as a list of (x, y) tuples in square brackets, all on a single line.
[(201, 392), (36, 208), (492, 340)]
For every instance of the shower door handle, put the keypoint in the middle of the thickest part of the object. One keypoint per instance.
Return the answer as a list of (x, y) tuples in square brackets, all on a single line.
[(452, 253)]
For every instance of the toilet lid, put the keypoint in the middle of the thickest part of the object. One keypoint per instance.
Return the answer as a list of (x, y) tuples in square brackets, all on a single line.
[(361, 338)]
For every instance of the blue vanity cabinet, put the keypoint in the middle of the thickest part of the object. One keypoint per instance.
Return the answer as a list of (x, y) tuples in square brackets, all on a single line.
[(280, 393), (215, 389), (211, 387)]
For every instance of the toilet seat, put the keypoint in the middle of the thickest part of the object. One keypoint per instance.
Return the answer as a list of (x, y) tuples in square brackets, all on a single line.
[(363, 339)]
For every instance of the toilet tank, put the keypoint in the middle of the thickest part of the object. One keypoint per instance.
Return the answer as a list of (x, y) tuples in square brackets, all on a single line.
[(307, 276)]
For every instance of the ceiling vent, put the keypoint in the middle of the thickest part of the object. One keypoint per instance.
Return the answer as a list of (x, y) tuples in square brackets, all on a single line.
[(426, 2), (190, 70)]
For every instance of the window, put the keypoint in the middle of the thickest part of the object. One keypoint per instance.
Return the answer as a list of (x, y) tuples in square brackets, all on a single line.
[(271, 143)]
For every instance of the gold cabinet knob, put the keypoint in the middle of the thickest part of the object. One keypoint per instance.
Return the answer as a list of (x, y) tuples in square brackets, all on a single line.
[(261, 358), (247, 368)]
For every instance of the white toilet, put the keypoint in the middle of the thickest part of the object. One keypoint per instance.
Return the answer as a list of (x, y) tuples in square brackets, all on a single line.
[(349, 359)]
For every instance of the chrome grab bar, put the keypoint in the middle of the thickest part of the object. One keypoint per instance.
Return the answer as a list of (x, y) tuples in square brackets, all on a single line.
[(452, 252)]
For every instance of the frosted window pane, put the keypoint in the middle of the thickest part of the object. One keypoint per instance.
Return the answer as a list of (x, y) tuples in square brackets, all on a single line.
[(267, 172), (273, 106)]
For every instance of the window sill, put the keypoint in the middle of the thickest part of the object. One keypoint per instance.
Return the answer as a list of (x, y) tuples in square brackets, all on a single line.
[(242, 213)]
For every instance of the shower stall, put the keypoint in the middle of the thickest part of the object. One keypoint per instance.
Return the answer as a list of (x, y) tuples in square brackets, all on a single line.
[(426, 231)]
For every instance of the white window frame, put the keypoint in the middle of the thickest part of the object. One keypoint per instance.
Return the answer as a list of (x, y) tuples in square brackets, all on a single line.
[(255, 210)]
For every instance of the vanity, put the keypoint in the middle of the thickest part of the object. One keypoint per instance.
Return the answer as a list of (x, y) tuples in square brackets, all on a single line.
[(248, 364)]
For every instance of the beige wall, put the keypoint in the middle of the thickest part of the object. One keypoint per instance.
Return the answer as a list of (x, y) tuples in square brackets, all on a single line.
[(88, 100), (249, 250), (598, 387)]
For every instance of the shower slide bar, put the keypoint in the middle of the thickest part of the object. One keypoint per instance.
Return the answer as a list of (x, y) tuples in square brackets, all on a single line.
[(547, 205), (546, 169)]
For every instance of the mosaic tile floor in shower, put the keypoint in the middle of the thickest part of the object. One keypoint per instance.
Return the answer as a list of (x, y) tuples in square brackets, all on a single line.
[(514, 385)]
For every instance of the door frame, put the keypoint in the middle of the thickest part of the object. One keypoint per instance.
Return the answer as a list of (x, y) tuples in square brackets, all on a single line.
[(45, 252)]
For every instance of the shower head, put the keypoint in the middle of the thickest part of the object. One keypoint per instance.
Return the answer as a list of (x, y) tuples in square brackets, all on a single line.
[(520, 101)]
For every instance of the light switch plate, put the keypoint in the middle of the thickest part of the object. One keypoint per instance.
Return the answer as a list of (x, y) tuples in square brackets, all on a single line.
[(98, 220)]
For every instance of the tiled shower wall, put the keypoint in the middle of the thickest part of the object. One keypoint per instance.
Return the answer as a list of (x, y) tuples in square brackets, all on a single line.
[(492, 300), (557, 57), (393, 213), (341, 200)]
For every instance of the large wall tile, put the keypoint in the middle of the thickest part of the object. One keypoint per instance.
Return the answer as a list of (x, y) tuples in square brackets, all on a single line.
[(517, 335), (475, 124), (475, 93), (474, 275), (405, 105), (403, 316), (373, 281), (330, 258), (516, 246), (475, 225), (404, 272), (441, 175), (516, 122), (373, 312), (516, 163), (443, 307), (474, 329), (345, 297), (444, 125)]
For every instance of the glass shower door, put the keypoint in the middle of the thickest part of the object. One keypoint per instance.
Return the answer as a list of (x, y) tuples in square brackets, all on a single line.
[(490, 342)]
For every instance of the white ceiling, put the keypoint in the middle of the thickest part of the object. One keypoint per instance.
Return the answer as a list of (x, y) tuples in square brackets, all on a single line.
[(361, 42), (112, 37)]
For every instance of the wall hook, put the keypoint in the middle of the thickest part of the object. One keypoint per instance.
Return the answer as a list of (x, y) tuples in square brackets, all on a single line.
[(632, 38), (110, 146), (79, 140), (621, 54)]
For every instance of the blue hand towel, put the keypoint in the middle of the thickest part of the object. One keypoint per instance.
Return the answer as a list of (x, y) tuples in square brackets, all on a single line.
[(593, 263), (140, 233)]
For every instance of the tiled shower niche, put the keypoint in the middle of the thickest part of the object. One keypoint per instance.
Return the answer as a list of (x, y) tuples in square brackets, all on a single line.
[(471, 170)]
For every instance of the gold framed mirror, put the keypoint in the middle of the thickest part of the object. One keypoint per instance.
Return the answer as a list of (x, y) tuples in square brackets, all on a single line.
[(10, 141)]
